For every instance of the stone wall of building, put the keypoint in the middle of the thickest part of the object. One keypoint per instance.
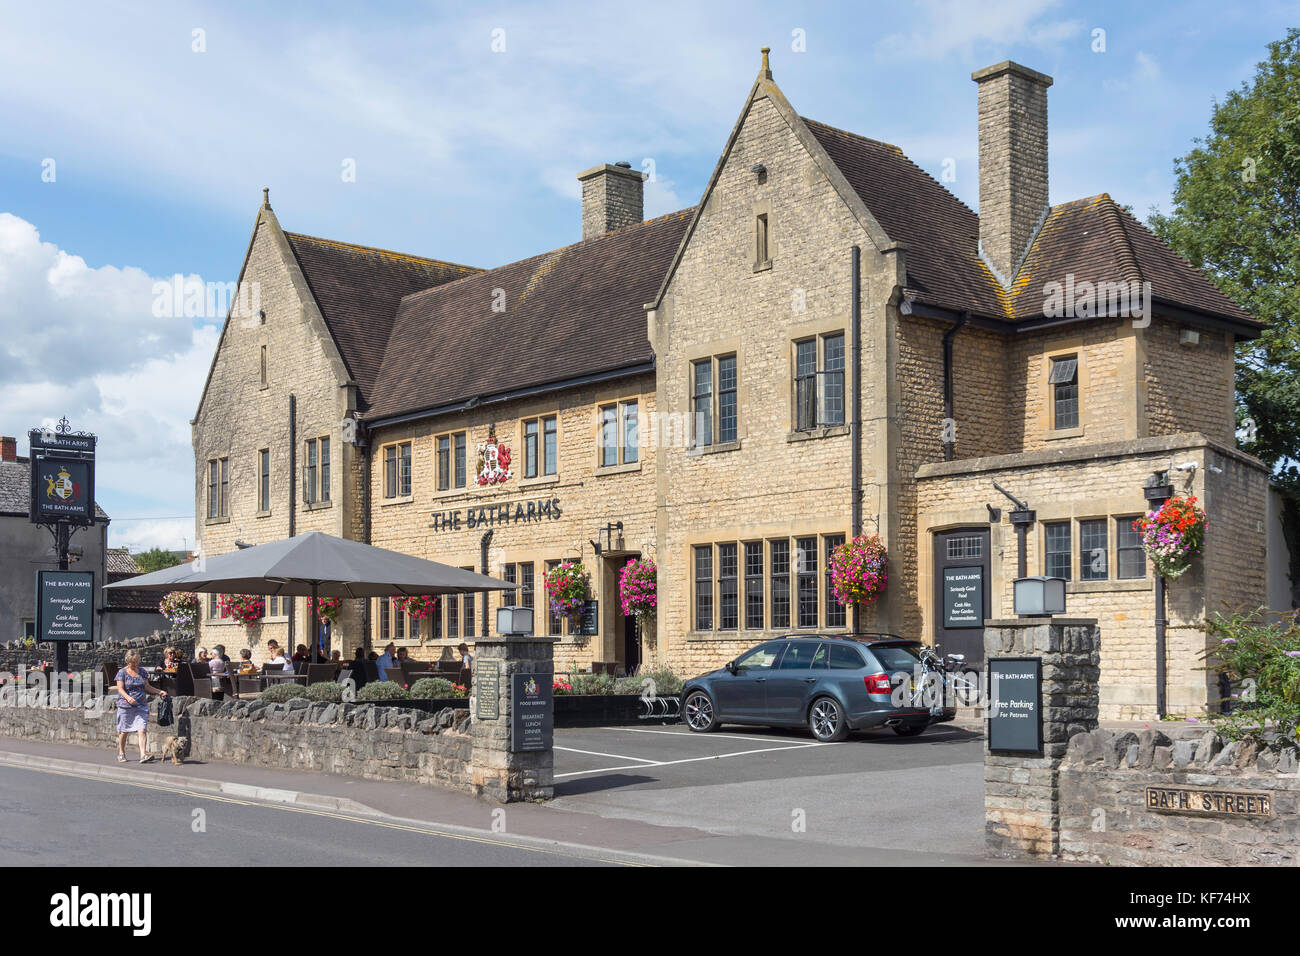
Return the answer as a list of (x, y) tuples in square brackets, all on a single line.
[(239, 416), (581, 499), (1106, 480), (772, 481), (1105, 816), (1188, 388)]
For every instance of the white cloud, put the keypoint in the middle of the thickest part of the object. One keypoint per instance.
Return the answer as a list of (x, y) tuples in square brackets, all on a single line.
[(960, 27), (85, 343)]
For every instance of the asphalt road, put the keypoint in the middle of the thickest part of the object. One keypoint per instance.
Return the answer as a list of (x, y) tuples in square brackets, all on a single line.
[(58, 819), (911, 800)]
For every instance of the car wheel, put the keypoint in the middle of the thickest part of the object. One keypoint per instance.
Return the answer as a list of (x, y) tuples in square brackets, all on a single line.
[(698, 712), (826, 720), (909, 730)]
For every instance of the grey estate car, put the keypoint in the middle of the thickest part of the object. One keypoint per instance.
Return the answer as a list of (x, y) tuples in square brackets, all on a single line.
[(831, 683)]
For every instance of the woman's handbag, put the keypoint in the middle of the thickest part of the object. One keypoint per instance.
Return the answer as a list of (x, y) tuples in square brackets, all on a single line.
[(165, 712)]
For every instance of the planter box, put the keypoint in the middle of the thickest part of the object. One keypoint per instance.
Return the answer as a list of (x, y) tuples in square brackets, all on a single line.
[(429, 705), (603, 710)]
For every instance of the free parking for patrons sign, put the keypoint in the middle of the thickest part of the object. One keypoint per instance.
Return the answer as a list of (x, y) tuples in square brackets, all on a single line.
[(1015, 714), (65, 605)]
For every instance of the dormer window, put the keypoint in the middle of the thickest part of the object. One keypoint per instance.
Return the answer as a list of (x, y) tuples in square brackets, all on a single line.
[(1064, 381)]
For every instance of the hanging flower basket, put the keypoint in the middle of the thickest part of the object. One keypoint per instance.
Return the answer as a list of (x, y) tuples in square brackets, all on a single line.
[(419, 606), (247, 609), (181, 609), (638, 590), (566, 586), (1172, 536), (328, 608), (858, 570)]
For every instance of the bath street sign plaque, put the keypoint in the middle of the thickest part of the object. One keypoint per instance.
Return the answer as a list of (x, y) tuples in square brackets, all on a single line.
[(1198, 802), (65, 605), (1015, 715), (487, 689), (532, 714)]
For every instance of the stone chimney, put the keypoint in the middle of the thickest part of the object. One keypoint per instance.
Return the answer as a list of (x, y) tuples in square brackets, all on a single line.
[(612, 197), (1013, 163), (8, 448)]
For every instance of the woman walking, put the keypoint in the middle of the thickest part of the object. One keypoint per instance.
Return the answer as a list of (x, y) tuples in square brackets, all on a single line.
[(133, 690)]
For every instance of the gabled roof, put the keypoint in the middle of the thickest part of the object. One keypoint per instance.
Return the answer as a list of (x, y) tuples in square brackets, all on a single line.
[(1092, 239), (570, 313), (941, 232), (16, 488), (118, 561), (358, 289)]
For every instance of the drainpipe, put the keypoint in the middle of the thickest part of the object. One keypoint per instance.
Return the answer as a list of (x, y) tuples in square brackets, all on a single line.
[(947, 381), (1157, 492), (483, 568), (364, 434), (293, 490), (855, 422)]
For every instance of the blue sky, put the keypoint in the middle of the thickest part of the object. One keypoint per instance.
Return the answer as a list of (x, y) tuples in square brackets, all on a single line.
[(468, 154)]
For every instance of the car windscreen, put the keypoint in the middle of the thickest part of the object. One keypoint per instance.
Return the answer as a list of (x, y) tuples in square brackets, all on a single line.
[(897, 657)]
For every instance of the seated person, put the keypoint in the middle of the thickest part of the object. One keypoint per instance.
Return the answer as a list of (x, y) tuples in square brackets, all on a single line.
[(246, 665), (301, 653), (171, 657)]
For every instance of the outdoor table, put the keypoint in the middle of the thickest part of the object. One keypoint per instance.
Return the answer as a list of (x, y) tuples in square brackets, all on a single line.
[(287, 676)]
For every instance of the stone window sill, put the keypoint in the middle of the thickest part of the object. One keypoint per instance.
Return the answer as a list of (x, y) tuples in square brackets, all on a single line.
[(1057, 434), (717, 449), (825, 431), (222, 520), (404, 500), (540, 480), (441, 493), (764, 266), (262, 514), (623, 469), (318, 505), (1097, 587)]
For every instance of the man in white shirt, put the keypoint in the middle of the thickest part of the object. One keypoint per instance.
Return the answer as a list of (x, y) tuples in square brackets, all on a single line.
[(386, 660)]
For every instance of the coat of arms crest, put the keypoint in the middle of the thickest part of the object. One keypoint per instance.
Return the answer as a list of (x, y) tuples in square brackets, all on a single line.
[(61, 486), (493, 460)]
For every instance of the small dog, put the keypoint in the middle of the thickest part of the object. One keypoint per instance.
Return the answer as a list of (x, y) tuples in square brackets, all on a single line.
[(176, 749)]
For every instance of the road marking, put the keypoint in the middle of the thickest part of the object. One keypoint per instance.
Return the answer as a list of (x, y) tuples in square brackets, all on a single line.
[(597, 753), (670, 763), (694, 736), (556, 849)]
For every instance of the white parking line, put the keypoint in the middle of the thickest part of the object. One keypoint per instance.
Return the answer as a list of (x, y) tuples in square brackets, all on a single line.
[(694, 736), (669, 763), (597, 753)]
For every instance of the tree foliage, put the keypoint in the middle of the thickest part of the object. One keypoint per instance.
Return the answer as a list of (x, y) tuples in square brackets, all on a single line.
[(1236, 216), (155, 559)]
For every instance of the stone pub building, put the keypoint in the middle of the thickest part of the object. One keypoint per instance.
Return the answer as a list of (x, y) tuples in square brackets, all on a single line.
[(829, 343)]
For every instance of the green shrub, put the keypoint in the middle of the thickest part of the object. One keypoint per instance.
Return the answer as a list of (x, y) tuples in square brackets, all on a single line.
[(326, 690), (655, 681), (428, 687), (383, 690), (279, 693), (593, 683), (1263, 662)]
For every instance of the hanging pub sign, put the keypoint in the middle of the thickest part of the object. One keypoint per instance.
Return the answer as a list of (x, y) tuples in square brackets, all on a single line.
[(62, 477), (65, 605)]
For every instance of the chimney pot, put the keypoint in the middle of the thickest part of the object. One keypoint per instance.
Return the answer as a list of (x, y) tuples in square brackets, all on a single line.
[(612, 198), (8, 448), (1012, 161)]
